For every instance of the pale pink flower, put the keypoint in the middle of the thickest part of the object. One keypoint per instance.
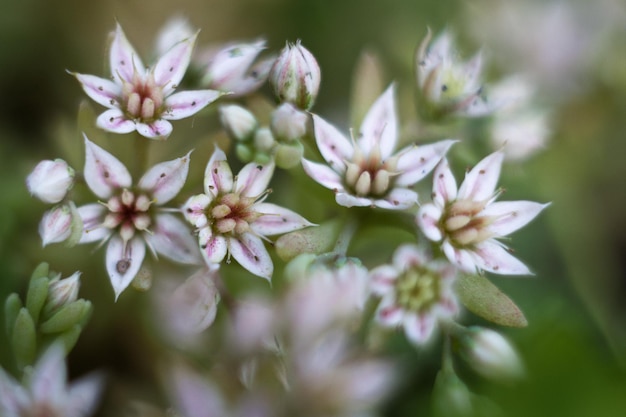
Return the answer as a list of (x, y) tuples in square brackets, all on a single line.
[(50, 180), (232, 218), (46, 392), (143, 99), (467, 222), (131, 217), (365, 171), (416, 293), (56, 225)]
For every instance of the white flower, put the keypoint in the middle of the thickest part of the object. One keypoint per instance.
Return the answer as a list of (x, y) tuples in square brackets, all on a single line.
[(143, 99), (416, 293), (365, 171), (231, 216), (127, 217), (50, 180), (468, 222), (63, 291), (46, 392)]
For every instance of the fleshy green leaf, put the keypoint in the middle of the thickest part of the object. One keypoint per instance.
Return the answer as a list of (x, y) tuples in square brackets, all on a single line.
[(24, 339), (66, 317), (41, 271), (484, 299), (36, 296), (12, 307), (70, 337)]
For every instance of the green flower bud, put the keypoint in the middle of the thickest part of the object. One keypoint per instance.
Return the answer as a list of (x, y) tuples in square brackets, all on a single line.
[(288, 155)]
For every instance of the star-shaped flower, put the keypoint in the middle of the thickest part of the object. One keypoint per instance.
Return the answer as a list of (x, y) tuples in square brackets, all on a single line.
[(468, 222), (231, 216), (143, 99), (131, 217), (416, 293), (365, 171)]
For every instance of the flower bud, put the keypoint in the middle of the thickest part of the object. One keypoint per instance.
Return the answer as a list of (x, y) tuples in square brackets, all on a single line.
[(263, 140), (490, 354), (56, 225), (62, 292), (288, 123), (288, 156), (295, 76), (239, 123), (50, 180)]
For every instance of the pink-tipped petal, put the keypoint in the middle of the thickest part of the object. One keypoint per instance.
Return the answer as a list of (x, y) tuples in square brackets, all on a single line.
[(218, 176), (382, 279), (417, 162), (213, 247), (188, 103), (419, 328), (92, 216), (462, 258), (323, 175), (398, 199), (104, 173), (511, 215), (100, 90), (250, 252), (50, 376), (84, 394), (333, 146), (480, 183), (171, 237), (166, 179), (427, 219), (277, 220), (444, 184), (408, 256), (115, 121), (492, 256), (349, 200), (388, 313), (123, 58), (171, 66), (380, 125), (159, 129), (124, 261), (253, 179)]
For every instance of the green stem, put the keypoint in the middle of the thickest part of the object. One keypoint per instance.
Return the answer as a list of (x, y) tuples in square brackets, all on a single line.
[(140, 155), (345, 237)]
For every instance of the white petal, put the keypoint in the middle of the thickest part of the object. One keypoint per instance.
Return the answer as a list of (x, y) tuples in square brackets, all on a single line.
[(114, 120), (194, 395), (416, 162), (104, 173), (323, 175), (100, 90), (277, 220), (408, 256), (13, 397), (84, 395), (172, 238), (511, 215), (349, 200), (166, 179), (380, 125), (419, 328), (480, 183), (427, 219), (333, 146), (388, 313), (398, 199), (188, 103), (213, 247), (444, 184), (462, 258), (50, 376), (158, 129), (171, 66), (123, 58), (218, 176), (492, 256), (123, 263), (382, 279), (250, 252), (92, 216), (253, 179)]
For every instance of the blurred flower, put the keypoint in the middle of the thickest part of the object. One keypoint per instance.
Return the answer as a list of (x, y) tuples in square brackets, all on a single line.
[(490, 353), (50, 180), (143, 99), (46, 392), (232, 218), (295, 76), (468, 222), (127, 218), (363, 171), (56, 225), (416, 293), (447, 85)]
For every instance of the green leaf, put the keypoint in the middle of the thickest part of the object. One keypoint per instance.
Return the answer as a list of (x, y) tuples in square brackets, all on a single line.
[(69, 315), (484, 299), (12, 307), (24, 339), (70, 337), (314, 239), (41, 271), (36, 296)]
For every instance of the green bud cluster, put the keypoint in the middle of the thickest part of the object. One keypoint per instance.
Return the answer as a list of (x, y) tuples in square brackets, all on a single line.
[(50, 313)]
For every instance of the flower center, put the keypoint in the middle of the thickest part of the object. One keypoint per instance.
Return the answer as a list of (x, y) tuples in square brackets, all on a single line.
[(369, 175), (462, 224), (128, 212), (418, 289), (232, 213), (142, 99)]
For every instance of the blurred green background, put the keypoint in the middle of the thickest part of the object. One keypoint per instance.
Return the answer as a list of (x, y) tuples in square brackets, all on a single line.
[(575, 345)]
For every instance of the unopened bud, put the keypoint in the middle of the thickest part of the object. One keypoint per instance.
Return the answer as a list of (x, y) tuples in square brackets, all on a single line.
[(263, 140), (288, 155), (490, 354), (295, 76), (62, 292), (56, 225), (239, 123), (288, 123), (50, 180)]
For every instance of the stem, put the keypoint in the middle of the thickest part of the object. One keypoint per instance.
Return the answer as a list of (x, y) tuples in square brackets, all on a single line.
[(346, 235), (446, 360), (140, 157)]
